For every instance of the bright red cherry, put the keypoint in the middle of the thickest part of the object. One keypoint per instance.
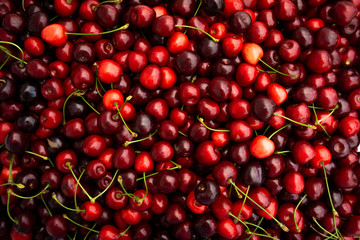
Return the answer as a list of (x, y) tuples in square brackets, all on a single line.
[(109, 71)]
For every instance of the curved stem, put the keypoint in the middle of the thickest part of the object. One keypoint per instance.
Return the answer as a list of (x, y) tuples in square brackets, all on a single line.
[(254, 232), (191, 27), (46, 206), (89, 231), (134, 134), (66, 100), (322, 228), (31, 197), (63, 206), (10, 178), (299, 123), (76, 186), (267, 65), (130, 195), (241, 221), (19, 185), (77, 181), (127, 143), (318, 122), (77, 224), (6, 60), (296, 208), (153, 174), (8, 210), (278, 130), (108, 186), (37, 155), (181, 133), (101, 33), (246, 194), (283, 227), (123, 232), (89, 105), (104, 2), (13, 44), (201, 120)]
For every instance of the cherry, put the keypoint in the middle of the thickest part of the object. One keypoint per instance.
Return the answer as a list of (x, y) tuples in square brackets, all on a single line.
[(294, 182), (207, 153), (56, 226), (92, 212)]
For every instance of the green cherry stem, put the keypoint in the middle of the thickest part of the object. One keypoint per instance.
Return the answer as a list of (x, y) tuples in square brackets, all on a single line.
[(134, 134), (283, 227), (104, 2), (82, 97), (267, 128), (146, 189), (278, 130), (100, 33), (246, 195), (8, 210), (177, 166), (92, 200), (191, 27), (89, 231), (23, 5), (299, 123), (198, 8), (201, 120), (322, 228), (318, 122), (181, 133), (67, 99), (123, 232), (127, 143), (283, 152), (259, 227), (332, 111), (261, 70), (46, 206), (77, 224), (77, 180), (130, 195), (22, 52), (37, 155), (239, 220), (76, 186), (252, 233), (6, 60), (276, 71), (335, 213), (19, 185), (262, 235), (10, 178), (31, 197), (63, 206), (296, 208)]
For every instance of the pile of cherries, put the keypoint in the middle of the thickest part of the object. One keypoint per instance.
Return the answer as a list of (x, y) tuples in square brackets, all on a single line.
[(179, 119)]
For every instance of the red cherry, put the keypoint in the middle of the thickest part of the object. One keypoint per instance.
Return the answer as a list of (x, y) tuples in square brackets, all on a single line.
[(177, 43), (294, 182), (226, 228), (322, 155), (54, 34), (262, 147), (194, 205), (113, 99), (109, 71), (277, 93), (93, 211), (349, 126), (232, 45), (109, 232), (252, 52)]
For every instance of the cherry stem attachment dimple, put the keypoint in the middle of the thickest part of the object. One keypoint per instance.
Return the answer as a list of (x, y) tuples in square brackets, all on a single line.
[(127, 143), (191, 27), (283, 227), (77, 224), (201, 120), (276, 71), (100, 33), (299, 123)]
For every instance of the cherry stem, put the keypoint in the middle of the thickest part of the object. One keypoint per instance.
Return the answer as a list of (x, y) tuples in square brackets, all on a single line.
[(101, 33), (258, 226), (90, 231), (134, 134), (127, 143), (238, 219), (6, 60), (198, 8), (201, 120), (77, 180), (283, 227), (252, 233), (10, 55), (22, 52), (54, 18), (183, 134), (262, 235), (62, 205), (278, 130), (320, 108), (276, 71), (246, 195), (296, 208), (37, 155), (67, 99), (31, 197), (89, 105), (92, 200), (97, 82), (322, 228), (46, 206), (146, 189), (123, 232), (76, 186), (318, 122), (283, 152), (191, 27), (19, 185), (23, 5), (10, 178), (177, 166), (104, 2), (130, 195), (261, 70), (267, 128), (77, 224), (299, 123), (8, 210), (335, 213)]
